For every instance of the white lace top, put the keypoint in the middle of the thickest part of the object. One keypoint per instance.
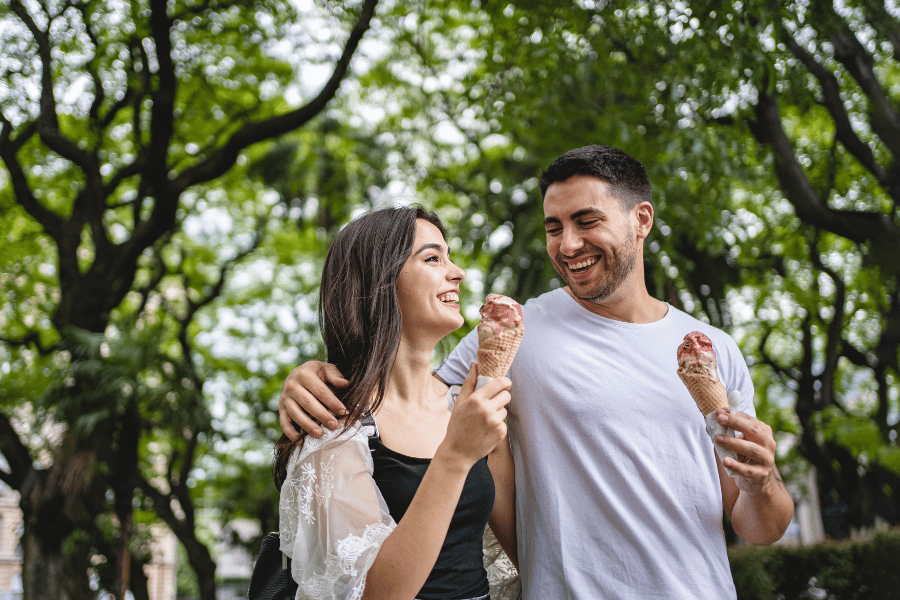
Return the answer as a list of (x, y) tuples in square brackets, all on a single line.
[(332, 516), (333, 520)]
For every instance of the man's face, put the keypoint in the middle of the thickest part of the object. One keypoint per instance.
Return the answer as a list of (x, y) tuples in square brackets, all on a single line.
[(590, 237)]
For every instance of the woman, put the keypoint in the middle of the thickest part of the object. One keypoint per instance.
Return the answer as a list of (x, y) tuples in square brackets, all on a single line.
[(394, 503)]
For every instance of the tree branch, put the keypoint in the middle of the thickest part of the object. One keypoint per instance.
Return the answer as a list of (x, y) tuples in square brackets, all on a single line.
[(34, 339), (198, 554), (886, 352), (835, 325), (99, 95), (767, 359), (50, 221), (884, 23), (42, 39), (875, 228), (49, 121), (859, 63), (831, 98), (221, 160), (215, 292), (162, 128), (854, 355)]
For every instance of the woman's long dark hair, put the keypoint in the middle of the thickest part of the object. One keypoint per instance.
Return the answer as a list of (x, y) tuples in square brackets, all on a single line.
[(359, 314)]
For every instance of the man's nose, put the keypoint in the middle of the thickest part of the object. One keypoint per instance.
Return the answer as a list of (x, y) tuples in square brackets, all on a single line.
[(571, 242)]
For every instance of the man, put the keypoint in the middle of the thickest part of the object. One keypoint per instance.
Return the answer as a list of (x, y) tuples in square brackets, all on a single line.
[(619, 493)]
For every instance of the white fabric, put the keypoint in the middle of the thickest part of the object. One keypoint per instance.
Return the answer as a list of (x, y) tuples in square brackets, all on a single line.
[(617, 490), (333, 518)]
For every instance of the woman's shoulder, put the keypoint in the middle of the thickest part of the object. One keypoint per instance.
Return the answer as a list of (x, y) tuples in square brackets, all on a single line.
[(343, 436)]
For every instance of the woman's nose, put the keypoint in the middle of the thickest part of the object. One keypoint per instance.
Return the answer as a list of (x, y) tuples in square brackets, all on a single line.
[(456, 274)]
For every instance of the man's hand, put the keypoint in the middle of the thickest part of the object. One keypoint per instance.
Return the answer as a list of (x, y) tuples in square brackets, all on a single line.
[(756, 499), (754, 446), (306, 400)]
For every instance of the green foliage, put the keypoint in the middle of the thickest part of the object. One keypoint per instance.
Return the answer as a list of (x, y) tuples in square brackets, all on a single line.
[(848, 570)]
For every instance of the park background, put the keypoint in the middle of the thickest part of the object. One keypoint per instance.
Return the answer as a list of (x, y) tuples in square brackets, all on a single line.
[(171, 173)]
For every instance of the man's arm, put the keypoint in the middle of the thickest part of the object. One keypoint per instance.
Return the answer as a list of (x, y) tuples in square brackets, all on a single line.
[(307, 400), (503, 517), (308, 403), (756, 499)]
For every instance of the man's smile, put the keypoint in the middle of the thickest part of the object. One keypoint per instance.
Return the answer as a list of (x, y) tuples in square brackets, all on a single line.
[(580, 265)]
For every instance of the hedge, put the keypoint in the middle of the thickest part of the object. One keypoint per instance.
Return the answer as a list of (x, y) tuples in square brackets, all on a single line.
[(860, 570)]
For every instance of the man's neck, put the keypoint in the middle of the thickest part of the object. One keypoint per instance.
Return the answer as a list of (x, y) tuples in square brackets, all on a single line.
[(637, 307)]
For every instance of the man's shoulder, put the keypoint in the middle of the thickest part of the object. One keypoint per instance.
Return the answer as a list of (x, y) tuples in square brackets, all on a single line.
[(544, 302)]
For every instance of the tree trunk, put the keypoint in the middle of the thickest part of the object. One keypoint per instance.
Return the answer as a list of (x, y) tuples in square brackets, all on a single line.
[(42, 572)]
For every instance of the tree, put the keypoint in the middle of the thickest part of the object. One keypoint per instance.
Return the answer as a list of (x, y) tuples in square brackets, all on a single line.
[(117, 119)]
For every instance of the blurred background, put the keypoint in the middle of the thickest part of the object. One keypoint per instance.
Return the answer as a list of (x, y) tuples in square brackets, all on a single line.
[(172, 171)]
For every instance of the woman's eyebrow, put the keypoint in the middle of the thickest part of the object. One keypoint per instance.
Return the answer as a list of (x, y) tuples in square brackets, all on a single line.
[(425, 247)]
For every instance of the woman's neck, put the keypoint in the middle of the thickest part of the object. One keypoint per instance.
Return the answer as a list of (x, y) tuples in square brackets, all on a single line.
[(411, 381)]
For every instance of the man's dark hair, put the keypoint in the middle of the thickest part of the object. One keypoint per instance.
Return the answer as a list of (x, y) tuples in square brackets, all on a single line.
[(359, 314), (624, 174)]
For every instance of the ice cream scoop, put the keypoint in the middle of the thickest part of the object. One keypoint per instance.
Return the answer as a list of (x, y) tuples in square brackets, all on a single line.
[(499, 334), (697, 369)]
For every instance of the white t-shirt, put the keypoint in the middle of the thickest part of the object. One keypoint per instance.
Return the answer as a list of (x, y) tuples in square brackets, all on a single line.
[(617, 491)]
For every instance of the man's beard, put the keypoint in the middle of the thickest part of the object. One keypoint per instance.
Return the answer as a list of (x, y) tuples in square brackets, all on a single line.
[(619, 264)]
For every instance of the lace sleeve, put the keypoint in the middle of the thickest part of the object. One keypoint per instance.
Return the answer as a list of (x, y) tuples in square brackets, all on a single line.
[(333, 519), (502, 574)]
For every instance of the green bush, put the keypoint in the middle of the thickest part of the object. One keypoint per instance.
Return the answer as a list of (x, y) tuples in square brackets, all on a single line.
[(860, 570)]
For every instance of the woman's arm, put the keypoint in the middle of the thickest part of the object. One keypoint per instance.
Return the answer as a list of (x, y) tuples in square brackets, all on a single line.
[(408, 555), (503, 517)]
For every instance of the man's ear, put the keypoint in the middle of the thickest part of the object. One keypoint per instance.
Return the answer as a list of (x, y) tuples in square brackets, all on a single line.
[(643, 215)]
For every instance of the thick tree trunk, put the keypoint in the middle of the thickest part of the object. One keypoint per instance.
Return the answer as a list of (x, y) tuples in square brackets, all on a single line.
[(54, 502), (42, 572)]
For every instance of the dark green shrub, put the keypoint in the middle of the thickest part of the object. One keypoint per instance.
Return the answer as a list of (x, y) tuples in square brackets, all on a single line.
[(859, 570)]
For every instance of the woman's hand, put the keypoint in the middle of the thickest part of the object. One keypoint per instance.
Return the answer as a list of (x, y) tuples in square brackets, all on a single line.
[(478, 421)]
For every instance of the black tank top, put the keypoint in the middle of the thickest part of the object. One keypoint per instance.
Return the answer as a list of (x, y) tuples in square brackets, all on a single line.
[(459, 570)]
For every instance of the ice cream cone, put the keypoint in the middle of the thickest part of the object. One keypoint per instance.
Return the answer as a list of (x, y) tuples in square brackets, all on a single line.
[(496, 352), (499, 334), (709, 394), (697, 369)]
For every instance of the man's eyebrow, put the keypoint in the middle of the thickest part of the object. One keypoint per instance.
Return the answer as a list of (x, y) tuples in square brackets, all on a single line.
[(577, 215), (594, 212), (425, 247)]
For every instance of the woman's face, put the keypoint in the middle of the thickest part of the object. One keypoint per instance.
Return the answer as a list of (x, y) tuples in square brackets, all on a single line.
[(428, 285)]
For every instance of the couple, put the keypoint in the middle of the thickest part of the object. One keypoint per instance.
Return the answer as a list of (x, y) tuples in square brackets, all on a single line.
[(617, 491)]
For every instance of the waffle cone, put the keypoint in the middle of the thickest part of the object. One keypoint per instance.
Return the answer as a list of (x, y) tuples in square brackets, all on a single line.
[(496, 352), (708, 393)]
